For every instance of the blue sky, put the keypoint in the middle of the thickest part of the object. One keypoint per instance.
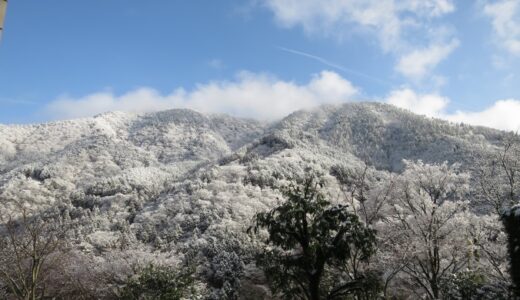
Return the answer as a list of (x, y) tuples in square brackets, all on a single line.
[(457, 60)]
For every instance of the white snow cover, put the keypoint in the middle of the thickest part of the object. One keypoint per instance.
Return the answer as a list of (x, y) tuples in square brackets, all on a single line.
[(167, 183)]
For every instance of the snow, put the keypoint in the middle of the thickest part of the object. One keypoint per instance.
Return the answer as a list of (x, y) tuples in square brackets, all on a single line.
[(172, 181)]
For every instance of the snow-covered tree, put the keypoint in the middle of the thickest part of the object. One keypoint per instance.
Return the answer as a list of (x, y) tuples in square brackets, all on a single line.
[(159, 282), (429, 217), (30, 250), (499, 186), (499, 176)]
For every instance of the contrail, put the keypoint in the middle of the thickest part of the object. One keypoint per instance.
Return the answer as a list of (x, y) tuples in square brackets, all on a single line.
[(336, 66), (324, 61)]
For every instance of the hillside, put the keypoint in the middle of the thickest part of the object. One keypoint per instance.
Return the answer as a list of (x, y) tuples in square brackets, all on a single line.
[(177, 183)]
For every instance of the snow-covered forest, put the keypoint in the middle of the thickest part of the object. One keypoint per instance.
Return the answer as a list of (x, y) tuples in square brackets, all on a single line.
[(96, 202)]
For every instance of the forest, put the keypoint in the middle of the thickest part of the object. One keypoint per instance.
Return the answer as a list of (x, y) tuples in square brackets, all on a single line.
[(359, 201)]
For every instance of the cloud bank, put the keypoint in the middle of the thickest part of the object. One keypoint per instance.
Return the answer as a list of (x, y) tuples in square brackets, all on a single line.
[(251, 95), (265, 97), (430, 105), (502, 114)]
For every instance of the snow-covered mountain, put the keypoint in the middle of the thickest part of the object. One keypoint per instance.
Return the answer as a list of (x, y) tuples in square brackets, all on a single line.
[(177, 182)]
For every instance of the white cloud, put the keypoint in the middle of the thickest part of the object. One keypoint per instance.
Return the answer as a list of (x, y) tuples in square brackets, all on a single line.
[(505, 18), (265, 97), (430, 105), (430, 8), (384, 18), (416, 64), (250, 95), (394, 23), (328, 16), (502, 114), (141, 100)]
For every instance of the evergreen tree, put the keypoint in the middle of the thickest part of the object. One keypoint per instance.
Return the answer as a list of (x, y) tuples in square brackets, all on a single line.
[(309, 240)]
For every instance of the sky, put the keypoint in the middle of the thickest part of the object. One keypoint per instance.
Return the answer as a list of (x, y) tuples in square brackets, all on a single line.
[(263, 59)]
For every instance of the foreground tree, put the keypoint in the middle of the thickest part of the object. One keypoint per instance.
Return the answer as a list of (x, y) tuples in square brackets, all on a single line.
[(30, 247), (432, 224), (308, 241), (499, 179), (369, 193)]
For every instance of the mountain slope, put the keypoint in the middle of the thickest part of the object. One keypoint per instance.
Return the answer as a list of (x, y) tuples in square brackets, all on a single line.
[(182, 183)]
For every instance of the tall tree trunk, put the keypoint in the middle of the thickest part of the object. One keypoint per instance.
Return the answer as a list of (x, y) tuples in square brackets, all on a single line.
[(511, 222), (435, 289), (314, 287)]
